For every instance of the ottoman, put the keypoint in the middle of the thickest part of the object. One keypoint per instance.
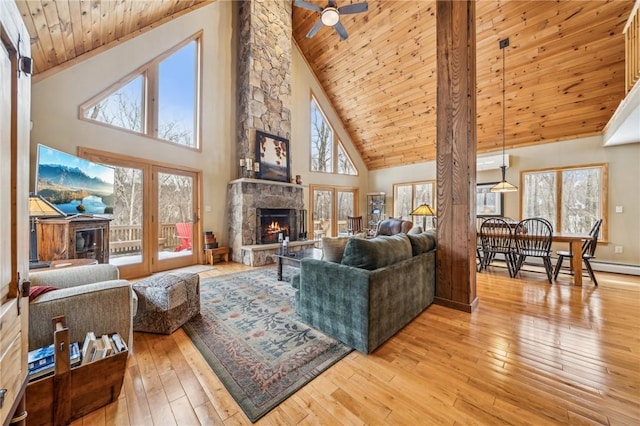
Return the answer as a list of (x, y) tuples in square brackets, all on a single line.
[(166, 301)]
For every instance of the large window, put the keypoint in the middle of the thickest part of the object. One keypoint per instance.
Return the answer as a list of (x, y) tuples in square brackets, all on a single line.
[(327, 153), (571, 198), (159, 99), (408, 196)]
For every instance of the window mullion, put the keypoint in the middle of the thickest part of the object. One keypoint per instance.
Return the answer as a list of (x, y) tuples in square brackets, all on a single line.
[(151, 100), (560, 208)]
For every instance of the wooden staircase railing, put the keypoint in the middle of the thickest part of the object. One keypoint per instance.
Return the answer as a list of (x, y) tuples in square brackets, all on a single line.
[(632, 48)]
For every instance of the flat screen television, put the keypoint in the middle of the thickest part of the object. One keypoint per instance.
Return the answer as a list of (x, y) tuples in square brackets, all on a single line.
[(74, 185)]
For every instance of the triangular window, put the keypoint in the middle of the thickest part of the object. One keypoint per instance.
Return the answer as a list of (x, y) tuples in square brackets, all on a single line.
[(327, 153), (160, 99)]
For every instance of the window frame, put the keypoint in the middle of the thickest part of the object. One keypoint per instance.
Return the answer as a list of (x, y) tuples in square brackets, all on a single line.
[(334, 190), (335, 143), (604, 195), (413, 184), (149, 72)]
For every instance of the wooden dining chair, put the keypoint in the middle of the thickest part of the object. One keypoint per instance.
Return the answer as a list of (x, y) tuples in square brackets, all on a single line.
[(354, 224), (588, 252), (496, 237), (533, 238)]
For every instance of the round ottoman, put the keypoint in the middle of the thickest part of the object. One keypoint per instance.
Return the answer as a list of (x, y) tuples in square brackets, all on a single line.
[(166, 301)]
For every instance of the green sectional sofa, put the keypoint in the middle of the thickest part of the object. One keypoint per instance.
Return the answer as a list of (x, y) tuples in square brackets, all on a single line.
[(378, 287)]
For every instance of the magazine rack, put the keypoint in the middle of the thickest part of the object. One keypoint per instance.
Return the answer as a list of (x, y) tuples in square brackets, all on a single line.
[(73, 392)]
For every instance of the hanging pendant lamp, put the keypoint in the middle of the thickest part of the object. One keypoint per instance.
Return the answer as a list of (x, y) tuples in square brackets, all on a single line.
[(503, 185)]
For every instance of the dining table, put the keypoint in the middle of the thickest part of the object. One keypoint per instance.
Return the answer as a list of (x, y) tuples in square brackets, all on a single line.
[(575, 241)]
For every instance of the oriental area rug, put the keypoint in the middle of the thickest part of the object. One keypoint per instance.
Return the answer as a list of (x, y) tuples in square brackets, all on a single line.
[(249, 333)]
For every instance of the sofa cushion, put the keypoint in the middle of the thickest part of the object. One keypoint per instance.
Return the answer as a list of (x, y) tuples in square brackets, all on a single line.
[(377, 252), (333, 248), (422, 243)]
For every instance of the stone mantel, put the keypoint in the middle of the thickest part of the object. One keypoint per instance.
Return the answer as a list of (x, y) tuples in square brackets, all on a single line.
[(267, 182)]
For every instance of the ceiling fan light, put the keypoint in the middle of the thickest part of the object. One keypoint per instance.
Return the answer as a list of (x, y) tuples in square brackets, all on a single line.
[(330, 16)]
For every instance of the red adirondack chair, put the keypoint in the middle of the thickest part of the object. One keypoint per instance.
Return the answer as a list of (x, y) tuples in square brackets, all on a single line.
[(185, 232)]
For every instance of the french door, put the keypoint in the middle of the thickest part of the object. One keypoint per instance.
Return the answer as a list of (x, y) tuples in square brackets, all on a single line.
[(330, 207), (155, 225)]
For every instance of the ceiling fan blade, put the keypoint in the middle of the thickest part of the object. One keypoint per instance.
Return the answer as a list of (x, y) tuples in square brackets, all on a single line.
[(315, 29), (354, 8), (342, 32), (306, 5)]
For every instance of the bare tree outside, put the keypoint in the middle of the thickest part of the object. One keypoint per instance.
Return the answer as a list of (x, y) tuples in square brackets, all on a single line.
[(321, 141)]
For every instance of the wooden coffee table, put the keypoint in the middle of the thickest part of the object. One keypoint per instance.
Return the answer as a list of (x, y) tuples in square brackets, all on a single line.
[(294, 258)]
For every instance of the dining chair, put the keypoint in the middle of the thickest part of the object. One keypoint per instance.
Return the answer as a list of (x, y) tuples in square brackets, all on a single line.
[(533, 238), (496, 237), (588, 252), (354, 224)]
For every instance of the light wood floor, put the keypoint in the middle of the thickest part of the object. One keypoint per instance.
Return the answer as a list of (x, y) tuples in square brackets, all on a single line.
[(531, 353)]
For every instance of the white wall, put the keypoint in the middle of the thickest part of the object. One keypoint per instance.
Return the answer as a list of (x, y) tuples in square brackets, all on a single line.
[(55, 102), (624, 185)]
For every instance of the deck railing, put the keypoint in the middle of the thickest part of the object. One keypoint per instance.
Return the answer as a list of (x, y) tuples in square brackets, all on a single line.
[(125, 239), (632, 48)]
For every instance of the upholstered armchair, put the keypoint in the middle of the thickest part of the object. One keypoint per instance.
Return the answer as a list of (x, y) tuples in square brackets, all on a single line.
[(393, 226), (91, 298)]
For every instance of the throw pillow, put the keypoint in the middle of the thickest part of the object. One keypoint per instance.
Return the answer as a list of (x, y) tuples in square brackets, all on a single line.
[(417, 229), (333, 248), (422, 243), (37, 290), (376, 252)]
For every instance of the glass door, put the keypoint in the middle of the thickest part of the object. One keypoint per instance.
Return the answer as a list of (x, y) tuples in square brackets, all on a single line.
[(126, 230), (175, 222), (330, 207)]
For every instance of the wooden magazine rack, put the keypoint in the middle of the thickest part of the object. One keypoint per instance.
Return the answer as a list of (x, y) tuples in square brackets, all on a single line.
[(73, 392)]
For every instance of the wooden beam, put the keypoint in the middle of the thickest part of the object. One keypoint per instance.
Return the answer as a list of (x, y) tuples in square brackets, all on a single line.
[(456, 154)]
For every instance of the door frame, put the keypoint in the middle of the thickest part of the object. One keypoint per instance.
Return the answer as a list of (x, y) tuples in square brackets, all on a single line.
[(150, 262)]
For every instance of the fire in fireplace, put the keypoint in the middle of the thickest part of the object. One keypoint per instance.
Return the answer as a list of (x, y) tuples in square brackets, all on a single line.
[(276, 223)]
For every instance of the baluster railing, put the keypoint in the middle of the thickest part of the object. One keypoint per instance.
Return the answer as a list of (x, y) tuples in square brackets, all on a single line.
[(632, 48)]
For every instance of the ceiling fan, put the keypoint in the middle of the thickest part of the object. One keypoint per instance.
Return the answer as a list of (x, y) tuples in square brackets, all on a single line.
[(330, 15)]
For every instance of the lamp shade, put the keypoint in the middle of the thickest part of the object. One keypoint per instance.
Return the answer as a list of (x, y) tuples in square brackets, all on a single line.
[(423, 210), (39, 207)]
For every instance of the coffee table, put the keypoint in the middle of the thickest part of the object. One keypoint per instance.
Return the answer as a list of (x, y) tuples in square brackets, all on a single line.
[(294, 258)]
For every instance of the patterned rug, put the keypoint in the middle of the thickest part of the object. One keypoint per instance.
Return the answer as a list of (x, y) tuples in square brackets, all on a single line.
[(254, 341)]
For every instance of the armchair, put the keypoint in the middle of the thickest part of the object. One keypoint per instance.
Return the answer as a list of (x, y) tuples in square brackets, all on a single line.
[(91, 297), (393, 226)]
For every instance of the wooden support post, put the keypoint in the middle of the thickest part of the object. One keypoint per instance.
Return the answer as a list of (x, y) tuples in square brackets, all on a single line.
[(456, 154)]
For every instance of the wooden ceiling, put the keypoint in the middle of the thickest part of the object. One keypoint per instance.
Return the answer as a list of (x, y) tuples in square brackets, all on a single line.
[(64, 30), (564, 67), (564, 73)]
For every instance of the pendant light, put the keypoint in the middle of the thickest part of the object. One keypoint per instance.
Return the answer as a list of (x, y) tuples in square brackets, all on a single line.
[(503, 185)]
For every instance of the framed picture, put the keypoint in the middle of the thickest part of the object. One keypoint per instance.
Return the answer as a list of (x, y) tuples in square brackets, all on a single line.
[(272, 153), (488, 203)]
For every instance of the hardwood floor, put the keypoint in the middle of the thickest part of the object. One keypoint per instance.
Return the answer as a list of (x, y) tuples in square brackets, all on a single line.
[(531, 353)]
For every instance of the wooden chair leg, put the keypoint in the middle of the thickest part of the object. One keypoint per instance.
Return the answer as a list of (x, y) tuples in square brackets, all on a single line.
[(558, 266), (590, 270), (548, 267)]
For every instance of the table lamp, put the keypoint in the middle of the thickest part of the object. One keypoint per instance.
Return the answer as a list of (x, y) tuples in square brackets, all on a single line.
[(423, 210), (39, 207)]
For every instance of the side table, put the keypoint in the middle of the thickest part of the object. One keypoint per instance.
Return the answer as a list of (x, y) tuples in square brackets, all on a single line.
[(210, 254)]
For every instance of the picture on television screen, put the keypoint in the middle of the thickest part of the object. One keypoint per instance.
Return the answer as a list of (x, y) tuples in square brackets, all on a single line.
[(73, 184)]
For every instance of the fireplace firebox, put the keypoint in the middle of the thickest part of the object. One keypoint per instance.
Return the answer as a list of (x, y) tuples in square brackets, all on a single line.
[(274, 224)]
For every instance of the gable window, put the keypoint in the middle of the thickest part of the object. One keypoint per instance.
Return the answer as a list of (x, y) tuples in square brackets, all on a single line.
[(408, 196), (327, 152), (159, 99), (571, 198)]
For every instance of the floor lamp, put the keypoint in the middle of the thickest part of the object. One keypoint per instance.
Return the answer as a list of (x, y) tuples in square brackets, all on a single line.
[(39, 208), (424, 210)]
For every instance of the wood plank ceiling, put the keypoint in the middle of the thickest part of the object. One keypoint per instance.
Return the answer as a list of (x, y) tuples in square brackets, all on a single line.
[(564, 73), (564, 68)]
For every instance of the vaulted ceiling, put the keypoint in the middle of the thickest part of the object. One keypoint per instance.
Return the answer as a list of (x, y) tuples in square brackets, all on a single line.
[(564, 66)]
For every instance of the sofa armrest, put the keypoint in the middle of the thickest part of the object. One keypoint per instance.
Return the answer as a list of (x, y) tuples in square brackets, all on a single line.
[(103, 307), (74, 276)]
